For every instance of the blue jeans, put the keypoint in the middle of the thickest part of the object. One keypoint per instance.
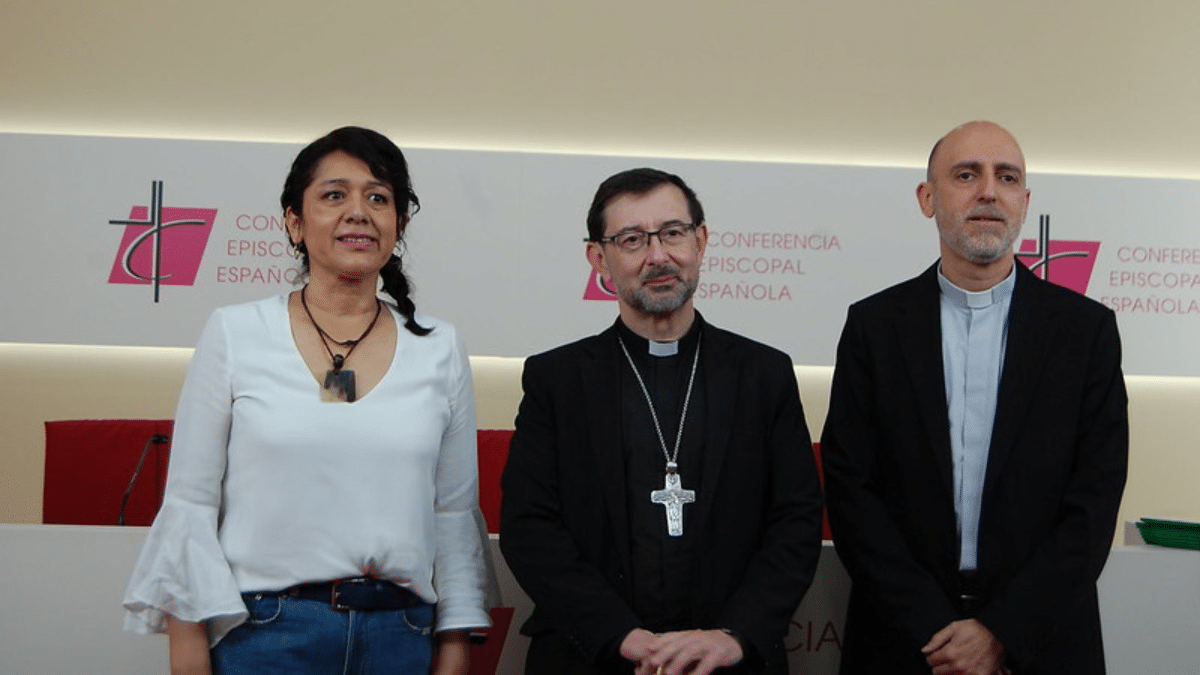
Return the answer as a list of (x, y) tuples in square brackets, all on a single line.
[(291, 636)]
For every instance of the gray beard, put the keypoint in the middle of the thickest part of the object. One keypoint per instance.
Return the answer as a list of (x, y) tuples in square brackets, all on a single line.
[(660, 304), (980, 250), (987, 251), (657, 303)]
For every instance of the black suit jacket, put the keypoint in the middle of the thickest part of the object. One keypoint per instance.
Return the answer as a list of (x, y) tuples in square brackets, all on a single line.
[(564, 525), (1055, 473)]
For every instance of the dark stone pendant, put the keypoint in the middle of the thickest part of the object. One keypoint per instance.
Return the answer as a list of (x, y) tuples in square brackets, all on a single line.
[(339, 383)]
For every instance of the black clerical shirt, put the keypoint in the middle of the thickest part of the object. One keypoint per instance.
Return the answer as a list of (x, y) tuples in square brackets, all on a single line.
[(662, 566)]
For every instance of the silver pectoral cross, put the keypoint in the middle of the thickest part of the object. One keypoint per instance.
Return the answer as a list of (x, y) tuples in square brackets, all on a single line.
[(673, 496)]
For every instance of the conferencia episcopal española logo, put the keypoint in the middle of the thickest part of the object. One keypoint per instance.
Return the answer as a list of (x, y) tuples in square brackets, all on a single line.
[(1066, 263), (162, 245)]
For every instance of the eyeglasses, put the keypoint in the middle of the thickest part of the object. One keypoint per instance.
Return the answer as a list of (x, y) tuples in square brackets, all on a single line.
[(670, 236)]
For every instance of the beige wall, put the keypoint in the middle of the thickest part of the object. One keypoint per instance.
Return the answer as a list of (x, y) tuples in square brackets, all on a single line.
[(1098, 87)]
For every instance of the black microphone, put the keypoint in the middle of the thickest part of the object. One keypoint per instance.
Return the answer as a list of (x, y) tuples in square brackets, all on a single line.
[(156, 439)]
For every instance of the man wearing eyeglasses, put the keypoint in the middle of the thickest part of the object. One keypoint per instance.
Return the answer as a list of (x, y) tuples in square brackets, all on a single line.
[(661, 504)]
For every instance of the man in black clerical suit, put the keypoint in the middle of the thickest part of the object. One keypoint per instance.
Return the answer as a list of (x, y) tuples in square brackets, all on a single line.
[(976, 445), (661, 503)]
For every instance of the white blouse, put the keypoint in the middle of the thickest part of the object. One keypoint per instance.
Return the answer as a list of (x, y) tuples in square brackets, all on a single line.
[(269, 486)]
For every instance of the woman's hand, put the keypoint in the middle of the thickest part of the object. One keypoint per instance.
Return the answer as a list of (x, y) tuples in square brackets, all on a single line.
[(189, 647), (452, 654)]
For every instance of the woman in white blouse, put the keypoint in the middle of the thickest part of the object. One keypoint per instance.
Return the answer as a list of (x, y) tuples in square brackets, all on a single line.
[(322, 498)]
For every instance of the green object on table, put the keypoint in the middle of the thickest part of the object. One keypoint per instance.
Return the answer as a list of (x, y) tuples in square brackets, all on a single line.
[(1171, 533)]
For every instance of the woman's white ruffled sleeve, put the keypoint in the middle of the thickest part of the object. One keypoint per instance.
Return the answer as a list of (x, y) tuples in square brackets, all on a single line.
[(182, 570), (464, 578)]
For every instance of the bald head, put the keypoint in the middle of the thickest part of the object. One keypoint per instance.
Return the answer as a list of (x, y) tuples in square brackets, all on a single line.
[(971, 128)]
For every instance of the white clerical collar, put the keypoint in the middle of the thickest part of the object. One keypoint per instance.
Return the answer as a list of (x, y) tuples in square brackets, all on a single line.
[(663, 348), (977, 299)]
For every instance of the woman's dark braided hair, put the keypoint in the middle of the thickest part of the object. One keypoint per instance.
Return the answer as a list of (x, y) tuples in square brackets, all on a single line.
[(386, 163)]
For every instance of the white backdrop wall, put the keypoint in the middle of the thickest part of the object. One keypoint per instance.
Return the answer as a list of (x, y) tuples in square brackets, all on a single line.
[(497, 247)]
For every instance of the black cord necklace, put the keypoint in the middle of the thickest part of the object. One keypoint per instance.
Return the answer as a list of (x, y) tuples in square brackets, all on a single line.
[(339, 381)]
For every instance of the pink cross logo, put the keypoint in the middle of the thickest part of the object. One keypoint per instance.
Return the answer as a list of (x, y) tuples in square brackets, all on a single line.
[(1066, 263), (155, 248)]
